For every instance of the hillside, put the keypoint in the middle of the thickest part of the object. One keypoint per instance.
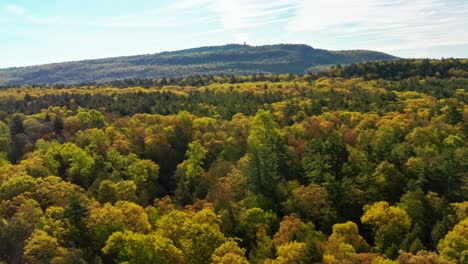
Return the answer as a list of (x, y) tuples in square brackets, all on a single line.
[(228, 59)]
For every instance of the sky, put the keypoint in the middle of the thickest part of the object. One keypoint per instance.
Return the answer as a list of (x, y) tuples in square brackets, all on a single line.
[(36, 32)]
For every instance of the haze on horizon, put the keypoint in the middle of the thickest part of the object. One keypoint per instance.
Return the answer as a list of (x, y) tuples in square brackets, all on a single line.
[(39, 32)]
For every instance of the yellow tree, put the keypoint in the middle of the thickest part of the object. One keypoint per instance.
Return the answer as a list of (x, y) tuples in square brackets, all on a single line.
[(390, 224), (348, 233), (229, 253), (454, 246), (40, 248), (135, 248)]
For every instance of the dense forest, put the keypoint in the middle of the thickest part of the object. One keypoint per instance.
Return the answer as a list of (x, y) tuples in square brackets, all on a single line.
[(215, 60), (365, 163)]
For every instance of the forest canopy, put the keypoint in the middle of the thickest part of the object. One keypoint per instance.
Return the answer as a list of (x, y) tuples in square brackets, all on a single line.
[(365, 163)]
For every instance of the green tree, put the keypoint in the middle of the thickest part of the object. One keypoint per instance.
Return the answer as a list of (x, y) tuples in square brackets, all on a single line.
[(389, 182), (58, 124), (78, 164), (15, 230), (91, 118), (252, 220), (19, 146), (16, 125), (114, 191), (5, 138), (74, 213), (453, 115), (107, 192), (325, 157), (265, 152), (189, 171)]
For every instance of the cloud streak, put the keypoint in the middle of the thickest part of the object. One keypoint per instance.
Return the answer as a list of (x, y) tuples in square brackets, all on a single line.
[(149, 19), (381, 24), (415, 27), (411, 24), (14, 10), (241, 18), (389, 24)]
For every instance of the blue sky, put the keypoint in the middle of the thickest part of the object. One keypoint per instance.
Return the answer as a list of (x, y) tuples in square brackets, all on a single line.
[(44, 31)]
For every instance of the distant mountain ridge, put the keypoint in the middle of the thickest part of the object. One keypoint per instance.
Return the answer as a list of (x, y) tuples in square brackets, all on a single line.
[(214, 60)]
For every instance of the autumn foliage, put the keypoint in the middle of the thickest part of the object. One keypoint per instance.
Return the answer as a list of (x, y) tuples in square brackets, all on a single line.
[(271, 169)]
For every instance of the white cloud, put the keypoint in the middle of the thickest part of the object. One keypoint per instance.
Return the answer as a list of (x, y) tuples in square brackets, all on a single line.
[(158, 18), (184, 4), (321, 14), (15, 10), (405, 24), (24, 14), (236, 17), (240, 18), (245, 14), (386, 25)]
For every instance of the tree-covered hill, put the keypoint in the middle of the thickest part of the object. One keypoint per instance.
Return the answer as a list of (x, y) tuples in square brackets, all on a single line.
[(227, 59)]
